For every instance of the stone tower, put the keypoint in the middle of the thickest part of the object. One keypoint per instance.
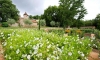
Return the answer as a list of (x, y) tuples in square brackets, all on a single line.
[(25, 16)]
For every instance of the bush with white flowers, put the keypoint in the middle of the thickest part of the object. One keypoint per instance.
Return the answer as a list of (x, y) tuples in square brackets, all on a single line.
[(28, 44)]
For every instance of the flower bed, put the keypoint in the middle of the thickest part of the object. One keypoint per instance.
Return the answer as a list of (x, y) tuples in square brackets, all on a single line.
[(31, 44)]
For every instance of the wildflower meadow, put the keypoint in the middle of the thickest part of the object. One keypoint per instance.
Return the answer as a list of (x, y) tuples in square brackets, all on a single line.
[(31, 44)]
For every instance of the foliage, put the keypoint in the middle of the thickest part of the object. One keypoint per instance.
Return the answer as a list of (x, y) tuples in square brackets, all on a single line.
[(97, 33), (97, 21), (36, 17), (59, 32), (27, 21), (66, 13), (52, 23), (57, 24), (78, 23), (30, 16), (5, 24), (36, 45), (96, 44), (51, 14), (88, 30), (11, 21), (42, 22), (5, 34), (8, 10), (89, 23), (71, 10)]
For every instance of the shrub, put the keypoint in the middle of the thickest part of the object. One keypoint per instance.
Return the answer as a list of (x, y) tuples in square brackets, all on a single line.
[(97, 33), (57, 24), (11, 21), (57, 31), (42, 22), (87, 30), (52, 23), (5, 24), (27, 21)]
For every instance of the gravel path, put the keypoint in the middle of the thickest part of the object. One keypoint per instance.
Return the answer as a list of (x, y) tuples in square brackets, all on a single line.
[(94, 55), (1, 52)]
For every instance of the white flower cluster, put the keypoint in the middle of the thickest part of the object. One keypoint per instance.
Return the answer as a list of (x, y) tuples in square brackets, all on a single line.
[(29, 44)]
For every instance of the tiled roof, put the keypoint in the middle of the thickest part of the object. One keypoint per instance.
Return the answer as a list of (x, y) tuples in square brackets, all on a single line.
[(25, 13), (34, 21)]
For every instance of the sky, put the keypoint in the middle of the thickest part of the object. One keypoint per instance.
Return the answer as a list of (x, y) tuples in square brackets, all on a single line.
[(37, 7)]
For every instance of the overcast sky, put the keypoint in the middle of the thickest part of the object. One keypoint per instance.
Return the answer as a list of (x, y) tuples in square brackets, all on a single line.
[(37, 7)]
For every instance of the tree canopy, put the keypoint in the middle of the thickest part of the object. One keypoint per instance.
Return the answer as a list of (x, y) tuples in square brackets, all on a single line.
[(51, 14), (71, 10), (97, 21), (68, 12), (8, 10)]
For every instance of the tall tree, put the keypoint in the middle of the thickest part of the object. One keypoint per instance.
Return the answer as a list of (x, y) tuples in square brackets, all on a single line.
[(30, 16), (71, 10), (97, 21), (51, 14), (8, 10), (36, 17)]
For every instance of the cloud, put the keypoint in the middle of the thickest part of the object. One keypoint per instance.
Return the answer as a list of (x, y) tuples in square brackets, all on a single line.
[(37, 7), (93, 8), (32, 7)]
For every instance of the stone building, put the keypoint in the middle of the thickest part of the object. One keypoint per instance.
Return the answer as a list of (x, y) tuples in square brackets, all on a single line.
[(26, 16)]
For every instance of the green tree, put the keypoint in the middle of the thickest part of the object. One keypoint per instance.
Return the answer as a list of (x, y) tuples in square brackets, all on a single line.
[(8, 10), (36, 17), (51, 14), (89, 23), (30, 17), (97, 21), (52, 23), (71, 10)]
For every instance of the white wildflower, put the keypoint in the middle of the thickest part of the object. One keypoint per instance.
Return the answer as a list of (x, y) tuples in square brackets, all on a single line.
[(39, 55), (9, 57), (3, 37), (17, 51), (48, 58), (5, 43), (49, 46), (82, 54), (79, 52), (1, 33), (69, 53), (89, 44), (24, 55), (11, 47), (57, 57), (6, 56), (35, 52), (80, 42), (26, 44), (28, 57), (36, 39), (35, 47)]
